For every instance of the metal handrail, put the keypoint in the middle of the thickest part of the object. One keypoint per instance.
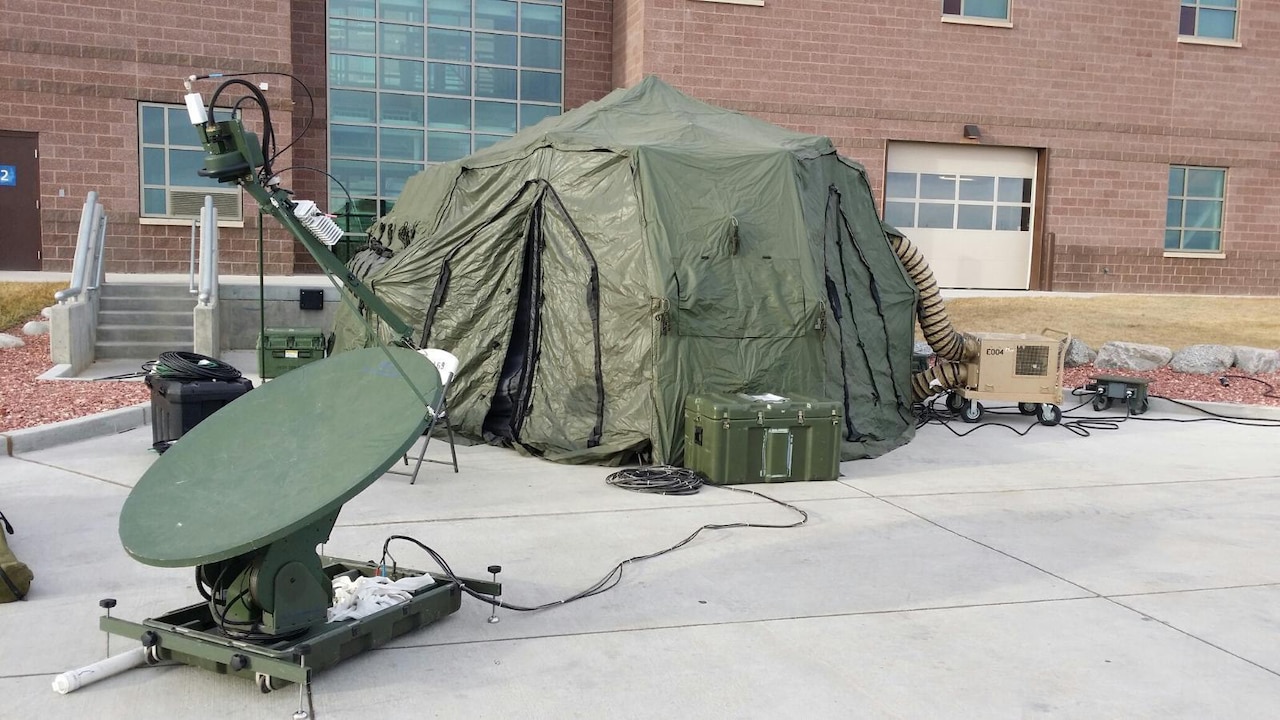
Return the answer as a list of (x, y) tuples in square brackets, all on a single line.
[(191, 265), (97, 274), (208, 252), (90, 218)]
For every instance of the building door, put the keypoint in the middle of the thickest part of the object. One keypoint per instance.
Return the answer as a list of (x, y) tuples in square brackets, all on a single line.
[(969, 209), (19, 201)]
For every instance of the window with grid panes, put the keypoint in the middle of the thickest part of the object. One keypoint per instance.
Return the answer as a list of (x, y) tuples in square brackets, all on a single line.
[(1212, 19), (415, 82), (1193, 215), (957, 202), (978, 9), (169, 154)]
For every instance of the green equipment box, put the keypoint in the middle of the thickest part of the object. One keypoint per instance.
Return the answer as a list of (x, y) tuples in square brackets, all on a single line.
[(285, 349), (740, 438)]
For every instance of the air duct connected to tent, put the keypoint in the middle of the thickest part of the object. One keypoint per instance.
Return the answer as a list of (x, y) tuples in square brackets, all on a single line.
[(1000, 367), (949, 344)]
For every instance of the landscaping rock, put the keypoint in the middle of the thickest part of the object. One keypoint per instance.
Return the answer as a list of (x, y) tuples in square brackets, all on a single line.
[(1257, 360), (1132, 356), (9, 341), (1203, 359), (922, 348), (35, 327), (45, 313), (1079, 354)]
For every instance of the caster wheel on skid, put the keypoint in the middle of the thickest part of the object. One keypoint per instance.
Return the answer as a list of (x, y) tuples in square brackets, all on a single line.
[(1027, 408), (1101, 402), (971, 411), (954, 401), (1048, 414), (1140, 407)]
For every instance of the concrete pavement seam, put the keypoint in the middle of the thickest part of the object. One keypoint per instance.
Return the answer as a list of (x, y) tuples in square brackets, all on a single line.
[(1192, 635), (74, 472), (1081, 487), (961, 535), (747, 503), (1192, 590), (1109, 599), (756, 621)]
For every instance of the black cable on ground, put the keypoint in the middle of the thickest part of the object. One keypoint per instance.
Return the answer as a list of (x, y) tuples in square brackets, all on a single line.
[(1270, 392), (1213, 416), (928, 413), (614, 576)]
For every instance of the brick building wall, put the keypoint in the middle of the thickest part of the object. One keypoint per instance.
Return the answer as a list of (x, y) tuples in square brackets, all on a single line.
[(1105, 88), (588, 51), (310, 118), (74, 72)]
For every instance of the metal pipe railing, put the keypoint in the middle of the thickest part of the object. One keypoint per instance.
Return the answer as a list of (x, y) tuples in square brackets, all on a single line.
[(96, 272), (191, 265), (90, 217), (208, 252)]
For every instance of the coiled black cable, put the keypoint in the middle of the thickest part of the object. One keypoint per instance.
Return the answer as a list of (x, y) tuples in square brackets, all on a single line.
[(182, 365), (658, 479)]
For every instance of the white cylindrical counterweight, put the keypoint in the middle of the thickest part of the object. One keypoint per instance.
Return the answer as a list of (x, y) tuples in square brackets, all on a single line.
[(114, 665)]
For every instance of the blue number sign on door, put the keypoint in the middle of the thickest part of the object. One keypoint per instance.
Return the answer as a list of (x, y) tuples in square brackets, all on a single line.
[(8, 175)]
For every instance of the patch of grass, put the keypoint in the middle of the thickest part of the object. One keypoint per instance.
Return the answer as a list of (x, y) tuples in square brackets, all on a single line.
[(19, 301), (1174, 321)]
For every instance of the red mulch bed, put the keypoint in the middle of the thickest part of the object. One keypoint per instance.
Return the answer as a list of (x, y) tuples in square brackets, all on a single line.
[(27, 402), (1185, 386)]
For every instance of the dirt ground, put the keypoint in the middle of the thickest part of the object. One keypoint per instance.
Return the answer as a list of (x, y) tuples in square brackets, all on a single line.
[(1173, 321)]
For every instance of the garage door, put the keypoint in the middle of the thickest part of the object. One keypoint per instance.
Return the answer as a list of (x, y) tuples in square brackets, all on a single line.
[(968, 208)]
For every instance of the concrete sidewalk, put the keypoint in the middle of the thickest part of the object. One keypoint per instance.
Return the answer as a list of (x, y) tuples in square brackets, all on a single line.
[(1128, 574)]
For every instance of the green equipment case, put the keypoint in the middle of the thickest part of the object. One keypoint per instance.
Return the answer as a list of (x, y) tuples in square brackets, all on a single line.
[(15, 576), (740, 438), (284, 349)]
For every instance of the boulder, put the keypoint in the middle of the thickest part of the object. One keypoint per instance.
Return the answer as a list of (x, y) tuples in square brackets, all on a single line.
[(1257, 360), (35, 327), (922, 348), (9, 341), (1132, 356), (1079, 354), (47, 313), (1203, 359)]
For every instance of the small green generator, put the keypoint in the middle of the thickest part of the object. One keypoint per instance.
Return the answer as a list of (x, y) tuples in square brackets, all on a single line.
[(741, 438), (284, 349)]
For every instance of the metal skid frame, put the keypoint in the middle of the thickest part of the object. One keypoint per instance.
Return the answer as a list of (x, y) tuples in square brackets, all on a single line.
[(191, 636)]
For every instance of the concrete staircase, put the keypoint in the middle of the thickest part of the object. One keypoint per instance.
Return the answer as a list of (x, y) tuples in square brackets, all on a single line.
[(142, 321)]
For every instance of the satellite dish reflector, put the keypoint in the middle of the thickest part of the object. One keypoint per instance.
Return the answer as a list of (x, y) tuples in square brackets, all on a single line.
[(278, 458)]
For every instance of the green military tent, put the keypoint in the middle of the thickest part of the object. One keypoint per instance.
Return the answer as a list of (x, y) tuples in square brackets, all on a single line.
[(597, 268)]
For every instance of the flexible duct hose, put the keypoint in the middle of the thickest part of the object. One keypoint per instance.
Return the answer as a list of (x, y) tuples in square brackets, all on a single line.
[(945, 340), (937, 379)]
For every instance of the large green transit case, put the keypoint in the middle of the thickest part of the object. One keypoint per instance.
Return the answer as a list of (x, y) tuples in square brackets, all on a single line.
[(284, 349), (15, 576), (741, 438)]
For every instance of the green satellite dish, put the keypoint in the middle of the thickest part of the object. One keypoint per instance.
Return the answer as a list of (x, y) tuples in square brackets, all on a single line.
[(249, 493)]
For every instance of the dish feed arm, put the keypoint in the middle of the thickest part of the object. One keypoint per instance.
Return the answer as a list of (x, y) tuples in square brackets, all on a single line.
[(234, 155)]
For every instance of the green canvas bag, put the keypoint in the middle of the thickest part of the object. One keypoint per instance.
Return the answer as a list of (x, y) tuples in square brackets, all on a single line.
[(15, 576)]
